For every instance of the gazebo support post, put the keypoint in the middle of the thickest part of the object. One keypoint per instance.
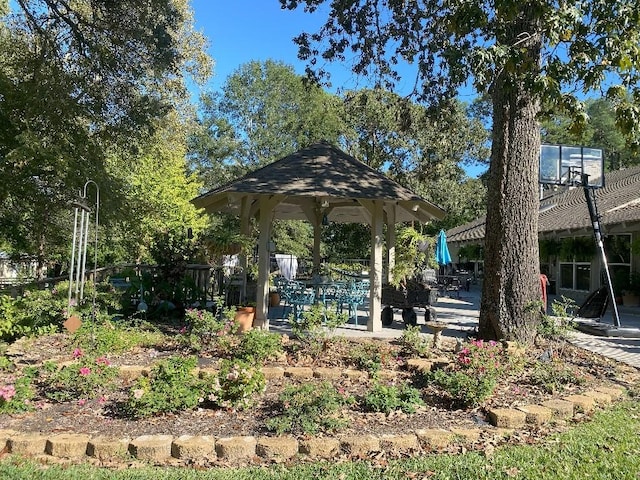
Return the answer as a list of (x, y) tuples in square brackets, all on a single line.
[(243, 259), (262, 294), (317, 229), (391, 242), (375, 271)]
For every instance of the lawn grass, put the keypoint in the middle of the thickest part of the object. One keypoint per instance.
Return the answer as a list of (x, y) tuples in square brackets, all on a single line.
[(606, 447)]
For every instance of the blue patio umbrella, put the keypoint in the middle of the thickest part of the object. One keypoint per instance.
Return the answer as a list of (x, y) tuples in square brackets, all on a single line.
[(443, 257)]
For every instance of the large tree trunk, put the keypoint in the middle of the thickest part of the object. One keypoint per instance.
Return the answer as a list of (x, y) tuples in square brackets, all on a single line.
[(510, 292)]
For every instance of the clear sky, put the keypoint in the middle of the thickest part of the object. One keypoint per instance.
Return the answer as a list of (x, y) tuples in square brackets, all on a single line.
[(240, 31)]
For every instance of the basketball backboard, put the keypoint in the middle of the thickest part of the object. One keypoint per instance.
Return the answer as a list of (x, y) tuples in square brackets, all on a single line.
[(565, 164)]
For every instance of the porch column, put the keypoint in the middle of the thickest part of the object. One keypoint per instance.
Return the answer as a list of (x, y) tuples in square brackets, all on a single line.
[(262, 294), (243, 259), (375, 274), (391, 242)]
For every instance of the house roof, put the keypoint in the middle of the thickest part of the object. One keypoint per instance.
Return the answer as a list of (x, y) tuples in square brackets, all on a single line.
[(566, 211), (320, 176)]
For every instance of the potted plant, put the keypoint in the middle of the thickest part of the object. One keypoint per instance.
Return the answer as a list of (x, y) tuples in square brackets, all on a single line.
[(631, 295), (413, 251), (244, 316)]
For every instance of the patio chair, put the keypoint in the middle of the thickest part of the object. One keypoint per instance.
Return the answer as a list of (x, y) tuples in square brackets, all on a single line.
[(353, 296), (299, 297)]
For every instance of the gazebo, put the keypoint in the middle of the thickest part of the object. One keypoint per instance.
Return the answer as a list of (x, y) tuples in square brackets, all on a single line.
[(315, 183)]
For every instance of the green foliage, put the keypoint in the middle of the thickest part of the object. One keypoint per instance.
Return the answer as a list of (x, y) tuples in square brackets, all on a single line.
[(474, 376), (236, 386), (309, 409), (38, 312), (414, 251), (258, 345), (114, 337), (263, 112), (87, 377), (172, 386), (367, 356), (413, 342), (16, 395), (389, 398), (173, 251), (130, 60), (554, 376), (560, 323), (316, 322), (206, 332)]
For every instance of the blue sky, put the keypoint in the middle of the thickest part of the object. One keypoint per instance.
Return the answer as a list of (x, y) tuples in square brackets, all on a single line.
[(240, 31)]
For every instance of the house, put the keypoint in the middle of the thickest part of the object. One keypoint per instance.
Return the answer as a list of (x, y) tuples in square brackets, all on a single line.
[(14, 270), (568, 254)]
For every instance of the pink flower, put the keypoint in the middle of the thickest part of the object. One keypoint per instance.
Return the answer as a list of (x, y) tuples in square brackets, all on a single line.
[(7, 392), (77, 353), (102, 400), (103, 361), (84, 371), (82, 401), (183, 329)]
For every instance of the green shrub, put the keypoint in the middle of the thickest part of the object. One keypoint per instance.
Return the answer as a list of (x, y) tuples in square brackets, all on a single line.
[(203, 331), (464, 387), (103, 337), (172, 386), (310, 408), (474, 376), (368, 357), (413, 342), (17, 394), (317, 321), (561, 322), (389, 398), (236, 385), (553, 376), (258, 345), (39, 312), (87, 377)]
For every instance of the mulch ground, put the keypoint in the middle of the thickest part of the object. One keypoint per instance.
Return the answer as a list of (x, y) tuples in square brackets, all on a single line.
[(100, 417)]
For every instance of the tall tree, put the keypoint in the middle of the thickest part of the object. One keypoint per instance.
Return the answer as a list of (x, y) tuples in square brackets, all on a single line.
[(421, 151), (600, 131), (76, 79), (519, 53), (263, 112), (155, 192)]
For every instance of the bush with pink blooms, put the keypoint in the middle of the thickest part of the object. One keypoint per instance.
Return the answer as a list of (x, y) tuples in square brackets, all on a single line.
[(473, 377), (18, 391), (84, 378)]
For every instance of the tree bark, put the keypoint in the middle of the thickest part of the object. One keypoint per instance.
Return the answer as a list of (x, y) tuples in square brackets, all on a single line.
[(510, 290)]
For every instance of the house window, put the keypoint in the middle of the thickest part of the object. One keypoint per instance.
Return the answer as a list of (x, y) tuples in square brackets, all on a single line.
[(575, 276), (618, 250), (575, 262)]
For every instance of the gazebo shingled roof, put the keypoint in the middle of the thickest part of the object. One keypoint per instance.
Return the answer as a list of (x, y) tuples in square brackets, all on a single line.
[(321, 173)]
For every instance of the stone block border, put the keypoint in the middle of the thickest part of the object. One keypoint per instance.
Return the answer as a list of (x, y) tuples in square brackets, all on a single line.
[(163, 449)]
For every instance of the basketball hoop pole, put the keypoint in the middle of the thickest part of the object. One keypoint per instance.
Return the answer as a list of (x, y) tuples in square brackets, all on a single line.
[(590, 196)]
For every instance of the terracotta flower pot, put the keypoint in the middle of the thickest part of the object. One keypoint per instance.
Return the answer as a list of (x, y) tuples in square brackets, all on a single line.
[(244, 318)]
